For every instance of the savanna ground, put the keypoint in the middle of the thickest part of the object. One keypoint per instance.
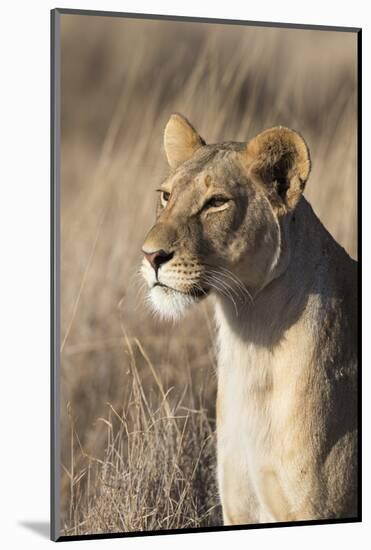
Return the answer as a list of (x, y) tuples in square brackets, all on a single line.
[(137, 396)]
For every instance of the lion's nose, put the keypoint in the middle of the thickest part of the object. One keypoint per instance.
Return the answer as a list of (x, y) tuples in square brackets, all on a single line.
[(157, 258)]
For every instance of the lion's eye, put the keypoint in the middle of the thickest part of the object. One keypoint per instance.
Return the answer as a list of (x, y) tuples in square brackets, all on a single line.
[(216, 201), (165, 196)]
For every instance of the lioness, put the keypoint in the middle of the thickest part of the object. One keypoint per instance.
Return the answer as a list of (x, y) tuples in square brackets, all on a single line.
[(232, 221)]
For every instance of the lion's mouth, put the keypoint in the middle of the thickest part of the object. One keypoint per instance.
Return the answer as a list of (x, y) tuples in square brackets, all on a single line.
[(194, 292)]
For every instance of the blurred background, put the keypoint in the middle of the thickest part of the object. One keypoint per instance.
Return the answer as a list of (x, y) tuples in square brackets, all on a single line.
[(120, 81)]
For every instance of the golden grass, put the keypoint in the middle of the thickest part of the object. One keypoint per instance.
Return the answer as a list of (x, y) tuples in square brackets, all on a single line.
[(137, 398), (157, 471)]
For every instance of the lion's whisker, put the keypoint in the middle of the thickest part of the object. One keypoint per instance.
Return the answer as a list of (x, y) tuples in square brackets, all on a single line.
[(234, 277), (238, 291), (215, 284)]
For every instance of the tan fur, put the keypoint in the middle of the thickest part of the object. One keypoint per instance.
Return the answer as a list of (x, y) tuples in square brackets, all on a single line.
[(234, 223)]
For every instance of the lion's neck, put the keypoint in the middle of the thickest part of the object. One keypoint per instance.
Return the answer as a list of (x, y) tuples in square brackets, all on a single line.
[(284, 301)]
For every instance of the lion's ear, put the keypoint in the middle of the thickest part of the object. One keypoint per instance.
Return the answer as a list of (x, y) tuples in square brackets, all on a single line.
[(280, 158), (181, 140)]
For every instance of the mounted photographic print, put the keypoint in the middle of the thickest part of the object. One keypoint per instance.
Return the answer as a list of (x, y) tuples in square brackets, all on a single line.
[(205, 185)]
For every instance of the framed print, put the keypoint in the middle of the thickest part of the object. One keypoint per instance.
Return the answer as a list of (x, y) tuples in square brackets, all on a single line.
[(205, 339)]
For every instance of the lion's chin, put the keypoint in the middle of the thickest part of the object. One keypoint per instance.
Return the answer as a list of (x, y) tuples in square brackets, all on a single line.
[(169, 304)]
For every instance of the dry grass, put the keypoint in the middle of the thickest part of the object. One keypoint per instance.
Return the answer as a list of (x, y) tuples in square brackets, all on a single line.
[(158, 466), (146, 460)]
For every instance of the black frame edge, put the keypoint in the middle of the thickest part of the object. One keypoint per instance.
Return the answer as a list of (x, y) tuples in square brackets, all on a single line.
[(215, 529), (214, 20), (52, 270), (359, 251), (54, 275)]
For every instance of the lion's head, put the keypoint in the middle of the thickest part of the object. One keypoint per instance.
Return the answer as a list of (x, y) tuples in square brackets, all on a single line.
[(220, 215)]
